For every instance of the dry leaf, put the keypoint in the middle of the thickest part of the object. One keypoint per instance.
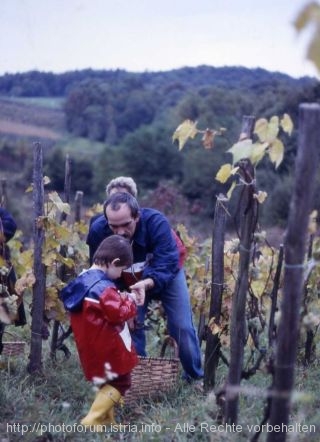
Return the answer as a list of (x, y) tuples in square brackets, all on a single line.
[(208, 138)]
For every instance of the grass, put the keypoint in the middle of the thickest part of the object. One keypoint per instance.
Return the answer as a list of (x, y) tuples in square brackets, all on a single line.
[(60, 396)]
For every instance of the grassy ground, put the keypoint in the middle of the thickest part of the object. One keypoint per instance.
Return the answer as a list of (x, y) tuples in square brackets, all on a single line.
[(60, 396)]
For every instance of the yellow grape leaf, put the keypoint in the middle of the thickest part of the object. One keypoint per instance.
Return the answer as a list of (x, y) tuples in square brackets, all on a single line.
[(52, 296), (258, 151), (267, 131), (3, 262), (25, 281), (61, 232), (276, 151), (273, 129), (94, 210), (312, 228), (24, 261), (240, 150), (310, 15), (69, 262), (208, 138), (258, 287), (260, 196), (187, 129), (224, 173), (81, 228), (82, 248), (57, 201), (200, 272), (309, 12), (261, 129), (313, 53), (51, 243), (199, 294), (46, 180), (49, 258), (286, 124)]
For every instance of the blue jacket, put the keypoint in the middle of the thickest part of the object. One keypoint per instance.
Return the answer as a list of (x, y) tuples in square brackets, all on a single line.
[(152, 243), (7, 224)]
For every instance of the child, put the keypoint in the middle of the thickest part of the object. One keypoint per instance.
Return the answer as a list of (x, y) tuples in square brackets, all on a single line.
[(98, 314)]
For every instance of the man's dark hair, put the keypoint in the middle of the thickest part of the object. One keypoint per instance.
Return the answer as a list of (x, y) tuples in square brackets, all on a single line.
[(118, 198), (113, 247)]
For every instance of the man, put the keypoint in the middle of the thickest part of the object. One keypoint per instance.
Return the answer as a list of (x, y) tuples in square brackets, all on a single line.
[(156, 252), (127, 184)]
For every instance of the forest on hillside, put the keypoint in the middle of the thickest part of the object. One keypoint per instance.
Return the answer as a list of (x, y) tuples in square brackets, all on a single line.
[(117, 122)]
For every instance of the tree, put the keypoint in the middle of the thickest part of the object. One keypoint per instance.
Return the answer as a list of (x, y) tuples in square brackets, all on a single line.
[(148, 150)]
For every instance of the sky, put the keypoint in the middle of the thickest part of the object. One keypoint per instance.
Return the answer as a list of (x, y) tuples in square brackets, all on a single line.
[(152, 35)]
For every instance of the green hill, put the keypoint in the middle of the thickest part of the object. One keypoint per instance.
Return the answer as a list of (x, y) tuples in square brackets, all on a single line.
[(118, 122)]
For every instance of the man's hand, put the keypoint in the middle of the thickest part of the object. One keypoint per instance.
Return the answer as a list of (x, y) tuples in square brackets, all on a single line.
[(140, 288)]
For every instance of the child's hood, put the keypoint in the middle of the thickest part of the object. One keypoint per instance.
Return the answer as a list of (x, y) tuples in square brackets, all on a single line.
[(90, 283)]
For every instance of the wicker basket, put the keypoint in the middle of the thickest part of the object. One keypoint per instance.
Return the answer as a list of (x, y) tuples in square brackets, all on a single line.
[(12, 347), (154, 375)]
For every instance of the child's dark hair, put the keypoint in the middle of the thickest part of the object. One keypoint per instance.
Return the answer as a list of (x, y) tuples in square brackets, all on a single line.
[(113, 247)]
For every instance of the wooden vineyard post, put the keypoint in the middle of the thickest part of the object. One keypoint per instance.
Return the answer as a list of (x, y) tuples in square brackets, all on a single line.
[(274, 299), (3, 193), (213, 345), (248, 215), (39, 288), (78, 205), (295, 246)]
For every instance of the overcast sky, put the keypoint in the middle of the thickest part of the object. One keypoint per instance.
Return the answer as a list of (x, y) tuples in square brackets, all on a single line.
[(151, 35)]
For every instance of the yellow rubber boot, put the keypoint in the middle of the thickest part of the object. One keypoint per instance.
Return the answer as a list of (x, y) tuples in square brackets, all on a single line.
[(102, 409)]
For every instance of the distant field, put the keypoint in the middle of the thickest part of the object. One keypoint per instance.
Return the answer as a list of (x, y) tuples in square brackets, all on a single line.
[(43, 118), (32, 117), (28, 130)]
